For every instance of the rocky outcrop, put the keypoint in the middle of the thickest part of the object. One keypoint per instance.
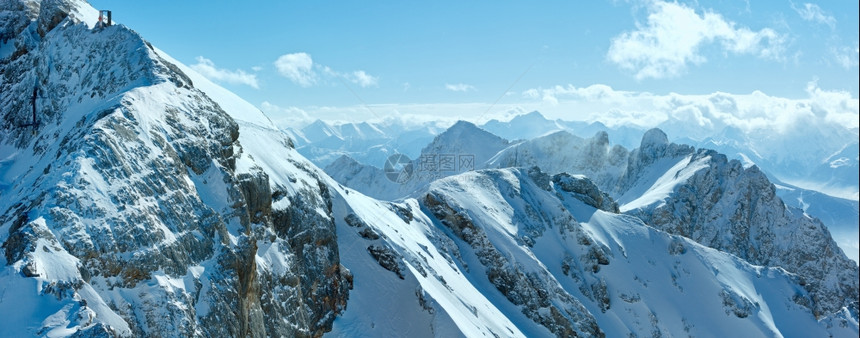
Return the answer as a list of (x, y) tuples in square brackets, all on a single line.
[(576, 269), (136, 186), (540, 300), (563, 152), (735, 209), (655, 146), (582, 188)]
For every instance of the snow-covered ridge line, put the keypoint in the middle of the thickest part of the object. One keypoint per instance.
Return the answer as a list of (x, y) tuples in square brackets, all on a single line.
[(618, 268), (132, 208), (693, 192)]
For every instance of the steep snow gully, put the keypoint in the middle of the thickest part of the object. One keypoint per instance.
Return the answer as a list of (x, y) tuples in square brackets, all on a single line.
[(148, 201)]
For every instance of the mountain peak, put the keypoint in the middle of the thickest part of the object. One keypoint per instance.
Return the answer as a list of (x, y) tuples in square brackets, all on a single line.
[(601, 138), (462, 125), (319, 130), (318, 123), (467, 130), (533, 116), (654, 137), (465, 138), (523, 126), (52, 12)]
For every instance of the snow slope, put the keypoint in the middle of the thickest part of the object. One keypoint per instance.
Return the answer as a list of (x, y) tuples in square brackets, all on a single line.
[(630, 278), (462, 147), (677, 188)]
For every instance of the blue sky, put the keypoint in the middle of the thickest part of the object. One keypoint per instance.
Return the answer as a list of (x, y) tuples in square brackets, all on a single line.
[(309, 59)]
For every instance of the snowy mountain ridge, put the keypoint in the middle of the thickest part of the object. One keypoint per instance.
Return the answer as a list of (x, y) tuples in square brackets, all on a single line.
[(133, 207), (150, 202), (695, 193), (369, 143), (829, 183), (827, 165)]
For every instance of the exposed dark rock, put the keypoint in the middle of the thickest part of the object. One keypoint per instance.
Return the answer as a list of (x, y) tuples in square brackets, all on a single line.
[(353, 221), (582, 188), (529, 291), (386, 258), (143, 190), (368, 233)]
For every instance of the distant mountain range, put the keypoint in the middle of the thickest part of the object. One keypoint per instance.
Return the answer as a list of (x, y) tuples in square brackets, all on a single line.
[(820, 160), (533, 136)]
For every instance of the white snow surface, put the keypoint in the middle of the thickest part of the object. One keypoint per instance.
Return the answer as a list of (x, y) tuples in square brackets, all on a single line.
[(652, 288), (659, 181)]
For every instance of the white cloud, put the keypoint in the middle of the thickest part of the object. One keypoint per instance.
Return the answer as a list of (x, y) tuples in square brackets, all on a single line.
[(301, 69), (286, 116), (709, 113), (595, 93), (298, 67), (459, 87), (363, 79), (836, 106), (531, 93), (695, 116), (847, 57), (811, 12), (673, 38), (208, 69)]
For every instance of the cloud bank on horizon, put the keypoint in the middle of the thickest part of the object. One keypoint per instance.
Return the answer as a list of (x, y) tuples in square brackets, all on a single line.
[(754, 112)]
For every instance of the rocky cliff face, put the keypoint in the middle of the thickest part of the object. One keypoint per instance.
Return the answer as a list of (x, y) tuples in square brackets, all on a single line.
[(728, 207), (695, 193), (555, 248), (133, 205), (563, 152), (540, 298)]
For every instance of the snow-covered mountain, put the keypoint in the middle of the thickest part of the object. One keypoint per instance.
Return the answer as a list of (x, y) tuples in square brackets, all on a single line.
[(139, 206), (695, 193), (148, 201), (821, 157), (842, 216), (523, 127), (465, 138), (462, 147), (515, 252), (564, 152), (824, 160), (368, 143), (719, 203), (840, 172), (533, 125), (702, 195)]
